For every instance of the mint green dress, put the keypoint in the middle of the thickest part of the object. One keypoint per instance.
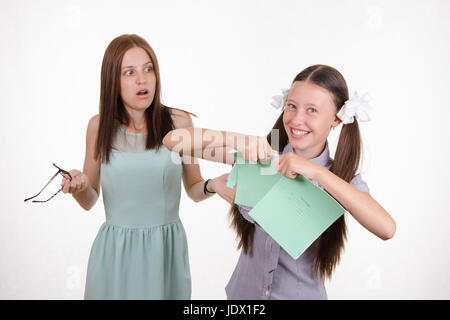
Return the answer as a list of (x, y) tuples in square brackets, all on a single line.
[(140, 251)]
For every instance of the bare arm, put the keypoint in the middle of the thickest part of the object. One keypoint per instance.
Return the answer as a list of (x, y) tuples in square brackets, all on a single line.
[(368, 212), (192, 178), (214, 145), (85, 186), (365, 209)]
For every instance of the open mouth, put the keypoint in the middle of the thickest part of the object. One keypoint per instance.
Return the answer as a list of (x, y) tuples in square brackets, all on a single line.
[(298, 134), (142, 92)]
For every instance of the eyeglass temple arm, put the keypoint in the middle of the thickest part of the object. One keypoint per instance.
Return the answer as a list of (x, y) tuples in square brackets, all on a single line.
[(43, 188), (50, 197)]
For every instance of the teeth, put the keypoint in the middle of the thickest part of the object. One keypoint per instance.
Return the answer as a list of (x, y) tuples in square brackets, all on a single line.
[(299, 133)]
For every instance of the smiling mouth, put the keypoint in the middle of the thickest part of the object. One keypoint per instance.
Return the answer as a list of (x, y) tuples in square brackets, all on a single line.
[(298, 133)]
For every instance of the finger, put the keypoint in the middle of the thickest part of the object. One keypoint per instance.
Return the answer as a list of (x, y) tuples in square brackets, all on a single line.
[(276, 163), (283, 168), (261, 154), (74, 172), (84, 181), (66, 187), (261, 149), (294, 174), (254, 154), (70, 187), (247, 155), (267, 149), (78, 183), (73, 185)]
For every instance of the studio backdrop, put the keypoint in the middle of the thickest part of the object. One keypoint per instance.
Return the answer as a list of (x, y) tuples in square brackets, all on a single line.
[(223, 61)]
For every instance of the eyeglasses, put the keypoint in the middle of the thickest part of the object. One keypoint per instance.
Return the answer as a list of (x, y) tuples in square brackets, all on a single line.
[(62, 172)]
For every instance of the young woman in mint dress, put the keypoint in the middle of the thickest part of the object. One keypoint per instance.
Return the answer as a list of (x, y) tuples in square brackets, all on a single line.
[(140, 251)]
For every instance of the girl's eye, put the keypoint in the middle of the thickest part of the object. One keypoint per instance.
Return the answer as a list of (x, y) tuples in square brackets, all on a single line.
[(128, 72), (312, 110), (291, 106), (148, 69)]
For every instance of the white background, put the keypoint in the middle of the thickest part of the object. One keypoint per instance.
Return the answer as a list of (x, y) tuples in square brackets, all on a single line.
[(223, 60)]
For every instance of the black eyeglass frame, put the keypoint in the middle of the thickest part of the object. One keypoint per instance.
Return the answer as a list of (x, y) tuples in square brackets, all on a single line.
[(61, 172)]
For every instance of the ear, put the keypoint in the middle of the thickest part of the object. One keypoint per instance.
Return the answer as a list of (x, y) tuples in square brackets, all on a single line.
[(336, 122)]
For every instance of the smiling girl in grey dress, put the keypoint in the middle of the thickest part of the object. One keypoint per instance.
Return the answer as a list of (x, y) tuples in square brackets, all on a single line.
[(315, 104)]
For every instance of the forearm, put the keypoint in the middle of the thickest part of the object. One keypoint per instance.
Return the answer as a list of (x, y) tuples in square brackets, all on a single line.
[(86, 198), (195, 192), (193, 141), (366, 210)]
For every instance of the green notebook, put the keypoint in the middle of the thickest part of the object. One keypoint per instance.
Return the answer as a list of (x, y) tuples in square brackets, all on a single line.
[(294, 212), (253, 180)]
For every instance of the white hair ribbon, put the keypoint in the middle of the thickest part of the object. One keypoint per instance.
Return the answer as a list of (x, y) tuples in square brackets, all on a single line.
[(355, 107)]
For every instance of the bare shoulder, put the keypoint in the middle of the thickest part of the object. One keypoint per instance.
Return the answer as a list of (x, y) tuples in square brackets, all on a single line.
[(181, 118), (93, 125)]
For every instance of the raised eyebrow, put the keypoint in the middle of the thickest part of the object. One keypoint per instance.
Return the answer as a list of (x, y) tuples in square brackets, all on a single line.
[(149, 62)]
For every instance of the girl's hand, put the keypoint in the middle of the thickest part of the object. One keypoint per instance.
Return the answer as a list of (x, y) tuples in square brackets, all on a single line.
[(219, 185), (79, 183), (291, 165), (255, 148)]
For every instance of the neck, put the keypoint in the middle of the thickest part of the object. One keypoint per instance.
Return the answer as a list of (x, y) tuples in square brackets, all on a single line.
[(137, 122), (312, 152)]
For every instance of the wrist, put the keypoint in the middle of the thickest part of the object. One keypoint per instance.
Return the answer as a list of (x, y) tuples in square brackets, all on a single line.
[(320, 174), (209, 190)]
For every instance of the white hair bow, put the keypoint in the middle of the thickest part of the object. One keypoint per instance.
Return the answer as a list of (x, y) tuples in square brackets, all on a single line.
[(280, 101), (357, 106)]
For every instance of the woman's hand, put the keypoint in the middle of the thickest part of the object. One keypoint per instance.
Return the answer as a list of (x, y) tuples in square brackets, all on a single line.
[(219, 185), (291, 165), (255, 148), (79, 183)]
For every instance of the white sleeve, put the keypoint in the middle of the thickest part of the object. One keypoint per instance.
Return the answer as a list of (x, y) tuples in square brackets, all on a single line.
[(359, 183), (244, 212)]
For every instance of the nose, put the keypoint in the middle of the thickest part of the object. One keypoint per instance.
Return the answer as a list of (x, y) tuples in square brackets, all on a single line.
[(298, 117), (140, 79)]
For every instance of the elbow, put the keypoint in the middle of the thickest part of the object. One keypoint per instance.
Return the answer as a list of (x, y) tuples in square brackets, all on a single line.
[(196, 200), (87, 207), (389, 232), (194, 197)]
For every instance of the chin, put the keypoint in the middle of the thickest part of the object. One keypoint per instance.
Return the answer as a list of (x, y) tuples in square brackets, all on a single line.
[(141, 107), (296, 144)]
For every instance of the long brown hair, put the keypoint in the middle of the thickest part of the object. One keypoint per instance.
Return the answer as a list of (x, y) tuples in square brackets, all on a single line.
[(345, 164), (112, 110)]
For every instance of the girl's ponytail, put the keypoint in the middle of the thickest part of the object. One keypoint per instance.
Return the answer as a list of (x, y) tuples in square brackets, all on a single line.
[(348, 152), (244, 229), (345, 165)]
